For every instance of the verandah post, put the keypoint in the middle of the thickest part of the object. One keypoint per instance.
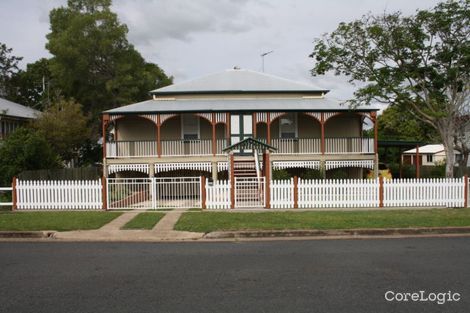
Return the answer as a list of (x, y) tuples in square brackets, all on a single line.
[(104, 193), (203, 192), (13, 194), (296, 192), (381, 192)]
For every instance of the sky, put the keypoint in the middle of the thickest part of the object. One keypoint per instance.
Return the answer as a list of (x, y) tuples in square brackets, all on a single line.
[(193, 38)]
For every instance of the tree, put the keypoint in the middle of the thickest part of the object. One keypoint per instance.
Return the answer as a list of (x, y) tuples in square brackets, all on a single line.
[(64, 126), (92, 60), (33, 86), (25, 149), (421, 62), (8, 68), (398, 123)]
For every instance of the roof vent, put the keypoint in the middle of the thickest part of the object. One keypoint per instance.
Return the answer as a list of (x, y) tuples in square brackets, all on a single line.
[(236, 67)]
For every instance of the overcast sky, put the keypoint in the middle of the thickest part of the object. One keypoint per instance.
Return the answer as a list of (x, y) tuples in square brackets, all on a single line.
[(191, 38)]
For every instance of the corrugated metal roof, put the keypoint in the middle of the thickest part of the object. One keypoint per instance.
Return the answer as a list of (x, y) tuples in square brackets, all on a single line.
[(231, 105), (428, 149), (238, 80), (17, 110)]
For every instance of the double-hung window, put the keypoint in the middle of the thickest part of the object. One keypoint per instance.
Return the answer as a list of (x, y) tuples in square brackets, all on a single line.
[(189, 127), (288, 126)]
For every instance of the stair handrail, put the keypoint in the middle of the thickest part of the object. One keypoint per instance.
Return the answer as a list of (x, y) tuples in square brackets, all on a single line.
[(258, 171)]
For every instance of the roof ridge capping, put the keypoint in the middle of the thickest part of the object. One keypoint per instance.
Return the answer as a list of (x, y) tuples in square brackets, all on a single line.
[(239, 81)]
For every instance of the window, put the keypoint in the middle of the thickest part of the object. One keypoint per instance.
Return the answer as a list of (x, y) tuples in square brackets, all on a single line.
[(189, 127), (429, 158), (288, 126)]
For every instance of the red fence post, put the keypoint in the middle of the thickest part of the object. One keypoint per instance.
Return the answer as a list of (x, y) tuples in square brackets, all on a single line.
[(203, 192), (465, 191), (104, 192), (381, 192), (232, 181), (267, 175), (296, 192), (13, 194)]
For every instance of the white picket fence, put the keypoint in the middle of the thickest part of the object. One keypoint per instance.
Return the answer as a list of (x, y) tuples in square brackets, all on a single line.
[(218, 194), (445, 192), (282, 194), (59, 195), (338, 193)]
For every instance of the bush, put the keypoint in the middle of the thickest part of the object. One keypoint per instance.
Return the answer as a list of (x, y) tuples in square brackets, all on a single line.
[(25, 149), (310, 174), (281, 174)]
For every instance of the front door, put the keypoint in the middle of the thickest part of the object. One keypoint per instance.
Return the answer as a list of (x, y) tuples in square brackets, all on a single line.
[(241, 127)]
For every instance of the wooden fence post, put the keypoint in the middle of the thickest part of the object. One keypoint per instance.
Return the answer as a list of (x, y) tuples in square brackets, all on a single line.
[(13, 194), (232, 181), (203, 192), (267, 175), (104, 192), (381, 192), (465, 191), (296, 192)]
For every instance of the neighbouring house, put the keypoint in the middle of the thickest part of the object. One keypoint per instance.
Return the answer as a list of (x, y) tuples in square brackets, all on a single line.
[(14, 115), (428, 155), (207, 123)]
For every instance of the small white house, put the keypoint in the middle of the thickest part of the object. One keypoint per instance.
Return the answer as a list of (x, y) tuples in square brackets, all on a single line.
[(14, 115), (429, 155)]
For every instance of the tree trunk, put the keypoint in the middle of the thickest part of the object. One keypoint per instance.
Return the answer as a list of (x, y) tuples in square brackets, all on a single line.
[(450, 157)]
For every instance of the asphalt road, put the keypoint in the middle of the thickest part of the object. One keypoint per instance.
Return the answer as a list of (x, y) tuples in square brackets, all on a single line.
[(275, 276)]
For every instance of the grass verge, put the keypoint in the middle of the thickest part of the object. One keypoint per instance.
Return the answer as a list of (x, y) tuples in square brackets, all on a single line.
[(60, 221), (144, 221), (224, 221)]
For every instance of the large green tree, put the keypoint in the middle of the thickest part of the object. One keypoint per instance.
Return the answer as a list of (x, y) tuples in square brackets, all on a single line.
[(25, 149), (65, 127), (8, 69), (93, 61), (421, 62)]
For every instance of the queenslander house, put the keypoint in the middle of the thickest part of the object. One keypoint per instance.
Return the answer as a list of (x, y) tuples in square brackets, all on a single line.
[(13, 116), (238, 122)]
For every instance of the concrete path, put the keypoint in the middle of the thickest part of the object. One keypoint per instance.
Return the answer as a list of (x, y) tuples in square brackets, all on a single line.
[(113, 232)]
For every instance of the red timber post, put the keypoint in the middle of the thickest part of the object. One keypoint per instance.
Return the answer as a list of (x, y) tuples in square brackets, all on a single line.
[(214, 143), (373, 116), (203, 192), (381, 192), (465, 191), (267, 175), (232, 182), (104, 193), (254, 124), (13, 195), (296, 192), (104, 125), (322, 123), (159, 135), (227, 128), (268, 128)]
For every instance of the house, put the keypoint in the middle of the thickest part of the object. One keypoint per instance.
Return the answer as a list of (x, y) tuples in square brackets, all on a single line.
[(428, 155), (204, 124), (13, 115)]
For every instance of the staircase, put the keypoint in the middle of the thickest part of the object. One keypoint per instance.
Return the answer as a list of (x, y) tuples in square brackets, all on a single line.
[(244, 168)]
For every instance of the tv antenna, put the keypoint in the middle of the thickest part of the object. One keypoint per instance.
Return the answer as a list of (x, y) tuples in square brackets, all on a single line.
[(262, 59)]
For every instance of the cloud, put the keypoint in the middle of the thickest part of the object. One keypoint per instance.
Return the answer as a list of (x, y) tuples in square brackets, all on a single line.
[(183, 19)]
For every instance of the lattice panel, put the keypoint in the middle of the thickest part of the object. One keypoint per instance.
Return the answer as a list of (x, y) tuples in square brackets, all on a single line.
[(152, 117), (328, 115), (199, 166), (115, 168), (296, 164), (316, 115), (207, 116), (275, 115), (164, 117), (349, 163), (115, 117), (221, 118)]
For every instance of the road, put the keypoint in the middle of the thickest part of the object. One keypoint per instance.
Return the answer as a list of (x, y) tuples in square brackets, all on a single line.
[(270, 276)]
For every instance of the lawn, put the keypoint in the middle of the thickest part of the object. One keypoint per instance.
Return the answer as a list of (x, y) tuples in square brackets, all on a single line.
[(223, 221), (60, 221), (144, 221)]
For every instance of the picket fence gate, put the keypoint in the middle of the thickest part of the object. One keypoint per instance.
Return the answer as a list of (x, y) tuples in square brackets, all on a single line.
[(218, 194), (59, 195)]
